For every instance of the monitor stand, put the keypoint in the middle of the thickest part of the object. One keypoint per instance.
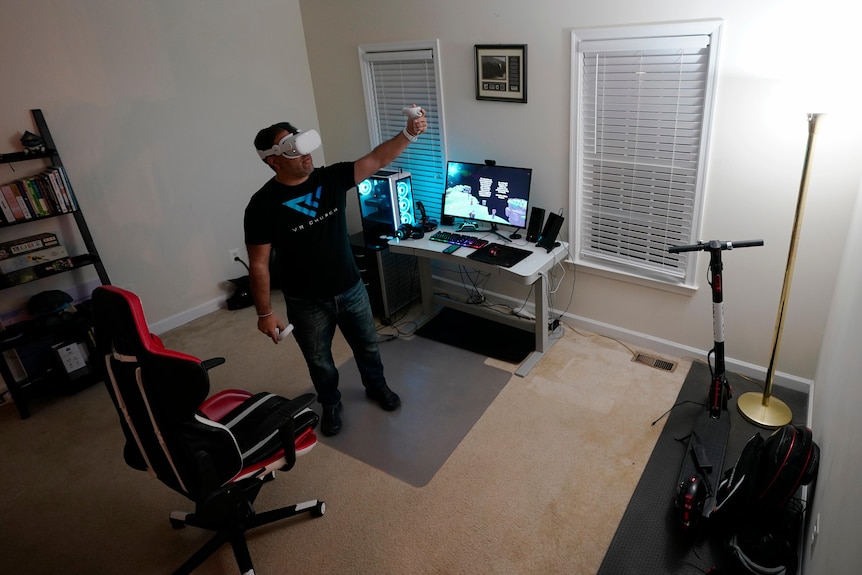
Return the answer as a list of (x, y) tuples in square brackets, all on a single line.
[(474, 227), (496, 231)]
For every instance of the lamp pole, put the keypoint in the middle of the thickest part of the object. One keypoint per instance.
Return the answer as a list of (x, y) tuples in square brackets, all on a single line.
[(761, 408)]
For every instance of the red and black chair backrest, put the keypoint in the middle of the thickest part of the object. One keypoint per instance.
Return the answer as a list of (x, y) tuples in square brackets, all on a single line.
[(157, 393)]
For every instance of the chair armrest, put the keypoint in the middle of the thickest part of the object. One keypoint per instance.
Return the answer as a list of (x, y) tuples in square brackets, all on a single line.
[(212, 362), (293, 424)]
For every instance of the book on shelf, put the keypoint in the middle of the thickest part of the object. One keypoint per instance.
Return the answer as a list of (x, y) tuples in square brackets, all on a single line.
[(27, 244), (34, 258), (12, 200), (57, 186), (42, 270), (36, 201), (45, 194), (48, 193), (23, 201), (6, 215), (66, 185)]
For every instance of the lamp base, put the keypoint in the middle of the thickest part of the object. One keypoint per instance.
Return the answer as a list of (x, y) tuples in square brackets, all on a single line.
[(774, 414)]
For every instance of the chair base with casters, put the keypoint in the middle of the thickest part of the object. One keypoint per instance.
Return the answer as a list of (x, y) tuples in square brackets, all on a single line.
[(217, 451), (230, 511), (235, 533)]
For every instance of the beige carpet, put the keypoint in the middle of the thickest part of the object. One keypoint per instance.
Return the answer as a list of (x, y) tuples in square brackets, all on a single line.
[(538, 485)]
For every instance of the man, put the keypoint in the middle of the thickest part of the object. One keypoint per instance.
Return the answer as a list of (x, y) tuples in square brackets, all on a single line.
[(301, 214)]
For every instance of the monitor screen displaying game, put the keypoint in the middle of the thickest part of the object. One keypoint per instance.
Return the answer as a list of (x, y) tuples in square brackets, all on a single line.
[(487, 193)]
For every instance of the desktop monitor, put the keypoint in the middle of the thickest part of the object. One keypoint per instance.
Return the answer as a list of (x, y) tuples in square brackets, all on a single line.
[(385, 203), (487, 193)]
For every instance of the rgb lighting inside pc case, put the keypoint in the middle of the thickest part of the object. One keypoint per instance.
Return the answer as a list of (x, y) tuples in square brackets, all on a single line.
[(385, 203)]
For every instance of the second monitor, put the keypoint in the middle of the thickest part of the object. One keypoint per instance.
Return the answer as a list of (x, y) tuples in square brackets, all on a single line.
[(487, 193)]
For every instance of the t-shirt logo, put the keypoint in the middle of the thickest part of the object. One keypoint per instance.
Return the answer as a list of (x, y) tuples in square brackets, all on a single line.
[(307, 204)]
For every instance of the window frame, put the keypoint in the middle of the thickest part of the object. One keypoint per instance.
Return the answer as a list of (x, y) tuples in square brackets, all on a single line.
[(425, 159), (680, 272)]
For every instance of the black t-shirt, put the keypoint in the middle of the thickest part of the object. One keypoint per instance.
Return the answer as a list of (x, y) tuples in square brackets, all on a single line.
[(307, 227)]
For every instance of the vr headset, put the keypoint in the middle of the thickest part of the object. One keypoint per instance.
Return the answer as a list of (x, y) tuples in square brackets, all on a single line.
[(293, 145)]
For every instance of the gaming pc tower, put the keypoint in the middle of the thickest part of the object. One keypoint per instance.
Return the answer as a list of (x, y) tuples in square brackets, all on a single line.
[(392, 280), (386, 203)]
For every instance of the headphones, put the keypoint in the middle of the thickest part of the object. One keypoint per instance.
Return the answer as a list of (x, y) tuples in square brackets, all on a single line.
[(427, 225), (406, 231), (293, 145)]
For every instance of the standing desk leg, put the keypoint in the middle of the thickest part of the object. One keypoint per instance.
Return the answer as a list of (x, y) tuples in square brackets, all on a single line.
[(540, 295), (426, 292), (426, 287), (541, 304)]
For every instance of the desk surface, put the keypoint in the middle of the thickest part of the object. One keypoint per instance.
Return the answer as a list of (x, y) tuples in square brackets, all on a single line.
[(525, 271)]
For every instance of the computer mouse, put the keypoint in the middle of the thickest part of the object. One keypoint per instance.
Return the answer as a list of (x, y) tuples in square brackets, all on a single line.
[(493, 252)]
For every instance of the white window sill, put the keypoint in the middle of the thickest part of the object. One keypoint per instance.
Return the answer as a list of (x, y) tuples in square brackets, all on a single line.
[(619, 275)]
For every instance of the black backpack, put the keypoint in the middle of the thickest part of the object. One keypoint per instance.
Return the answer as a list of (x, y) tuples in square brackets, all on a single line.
[(754, 507), (768, 473), (789, 460)]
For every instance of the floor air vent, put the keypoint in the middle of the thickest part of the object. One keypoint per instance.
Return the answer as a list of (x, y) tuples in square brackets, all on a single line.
[(661, 364)]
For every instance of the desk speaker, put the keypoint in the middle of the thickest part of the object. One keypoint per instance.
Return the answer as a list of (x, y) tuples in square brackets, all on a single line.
[(548, 237), (534, 227)]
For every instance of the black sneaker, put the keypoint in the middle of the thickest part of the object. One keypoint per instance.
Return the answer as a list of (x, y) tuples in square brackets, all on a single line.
[(330, 423), (385, 397)]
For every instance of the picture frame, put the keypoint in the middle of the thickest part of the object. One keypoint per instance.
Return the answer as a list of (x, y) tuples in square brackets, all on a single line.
[(501, 72)]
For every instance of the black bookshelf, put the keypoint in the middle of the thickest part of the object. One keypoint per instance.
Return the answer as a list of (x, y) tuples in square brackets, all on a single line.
[(75, 327)]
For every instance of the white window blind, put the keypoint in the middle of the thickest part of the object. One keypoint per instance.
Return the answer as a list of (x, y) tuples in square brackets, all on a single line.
[(642, 117), (400, 75)]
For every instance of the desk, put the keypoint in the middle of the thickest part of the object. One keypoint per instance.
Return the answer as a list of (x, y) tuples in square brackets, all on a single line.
[(532, 270)]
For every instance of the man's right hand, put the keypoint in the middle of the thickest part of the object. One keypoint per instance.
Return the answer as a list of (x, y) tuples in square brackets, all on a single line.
[(270, 325)]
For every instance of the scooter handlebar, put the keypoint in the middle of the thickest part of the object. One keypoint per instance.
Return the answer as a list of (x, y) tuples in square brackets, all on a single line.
[(714, 245)]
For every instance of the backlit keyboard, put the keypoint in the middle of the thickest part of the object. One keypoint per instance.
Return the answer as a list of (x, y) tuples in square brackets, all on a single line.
[(459, 239)]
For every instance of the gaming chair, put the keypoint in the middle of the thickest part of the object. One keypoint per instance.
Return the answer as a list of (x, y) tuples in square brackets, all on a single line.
[(218, 452)]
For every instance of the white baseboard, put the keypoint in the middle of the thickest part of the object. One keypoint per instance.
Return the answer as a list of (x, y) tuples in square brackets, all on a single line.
[(648, 342), (674, 349), (185, 317)]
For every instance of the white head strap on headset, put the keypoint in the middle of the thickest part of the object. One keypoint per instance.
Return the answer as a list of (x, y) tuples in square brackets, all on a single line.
[(293, 145)]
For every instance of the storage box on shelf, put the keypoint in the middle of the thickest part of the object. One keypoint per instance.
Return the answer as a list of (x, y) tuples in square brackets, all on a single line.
[(54, 346)]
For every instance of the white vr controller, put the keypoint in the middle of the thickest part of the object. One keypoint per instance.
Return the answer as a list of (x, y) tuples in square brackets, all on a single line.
[(282, 333), (413, 111)]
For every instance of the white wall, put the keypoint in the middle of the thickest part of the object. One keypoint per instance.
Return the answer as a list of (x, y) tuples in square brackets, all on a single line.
[(154, 106), (756, 161), (837, 397)]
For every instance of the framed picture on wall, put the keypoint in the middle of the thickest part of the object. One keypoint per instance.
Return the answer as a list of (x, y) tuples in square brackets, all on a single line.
[(501, 72)]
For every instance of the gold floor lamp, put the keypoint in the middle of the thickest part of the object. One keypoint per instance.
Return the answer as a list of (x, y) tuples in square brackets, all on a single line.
[(761, 408)]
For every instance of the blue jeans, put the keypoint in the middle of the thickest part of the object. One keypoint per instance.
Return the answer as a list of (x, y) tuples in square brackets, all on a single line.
[(314, 323)]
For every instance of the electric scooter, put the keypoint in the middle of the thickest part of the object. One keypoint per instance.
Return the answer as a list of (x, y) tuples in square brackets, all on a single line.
[(707, 443)]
